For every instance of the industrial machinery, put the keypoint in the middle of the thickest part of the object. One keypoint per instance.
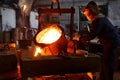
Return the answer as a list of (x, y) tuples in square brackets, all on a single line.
[(55, 64)]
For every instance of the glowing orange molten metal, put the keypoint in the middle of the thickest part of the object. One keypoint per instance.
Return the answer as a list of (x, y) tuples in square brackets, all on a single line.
[(24, 8), (47, 36), (38, 50)]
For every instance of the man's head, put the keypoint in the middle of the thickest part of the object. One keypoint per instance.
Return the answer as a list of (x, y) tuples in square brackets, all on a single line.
[(91, 10)]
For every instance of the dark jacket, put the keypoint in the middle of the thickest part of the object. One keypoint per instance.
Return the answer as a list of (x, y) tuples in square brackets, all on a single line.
[(104, 30)]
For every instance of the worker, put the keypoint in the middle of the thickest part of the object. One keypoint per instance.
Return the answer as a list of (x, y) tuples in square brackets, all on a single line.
[(102, 28)]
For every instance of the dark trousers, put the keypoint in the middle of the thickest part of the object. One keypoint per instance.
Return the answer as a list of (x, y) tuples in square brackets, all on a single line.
[(108, 59)]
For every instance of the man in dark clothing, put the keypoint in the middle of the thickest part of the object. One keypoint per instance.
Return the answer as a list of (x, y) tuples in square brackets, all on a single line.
[(108, 36)]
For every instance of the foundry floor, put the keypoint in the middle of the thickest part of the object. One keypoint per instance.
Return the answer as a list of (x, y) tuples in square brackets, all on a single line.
[(79, 76), (71, 77), (82, 76)]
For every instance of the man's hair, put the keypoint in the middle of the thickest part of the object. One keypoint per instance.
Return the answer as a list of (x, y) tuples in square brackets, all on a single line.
[(93, 7)]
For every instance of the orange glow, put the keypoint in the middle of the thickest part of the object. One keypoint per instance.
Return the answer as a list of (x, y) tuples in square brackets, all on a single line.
[(37, 51), (90, 75), (49, 35), (12, 45), (76, 37), (88, 15), (86, 12), (54, 1), (24, 8)]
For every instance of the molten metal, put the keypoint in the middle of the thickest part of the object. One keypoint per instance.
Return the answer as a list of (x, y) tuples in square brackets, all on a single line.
[(38, 50), (24, 8), (50, 40), (49, 35)]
